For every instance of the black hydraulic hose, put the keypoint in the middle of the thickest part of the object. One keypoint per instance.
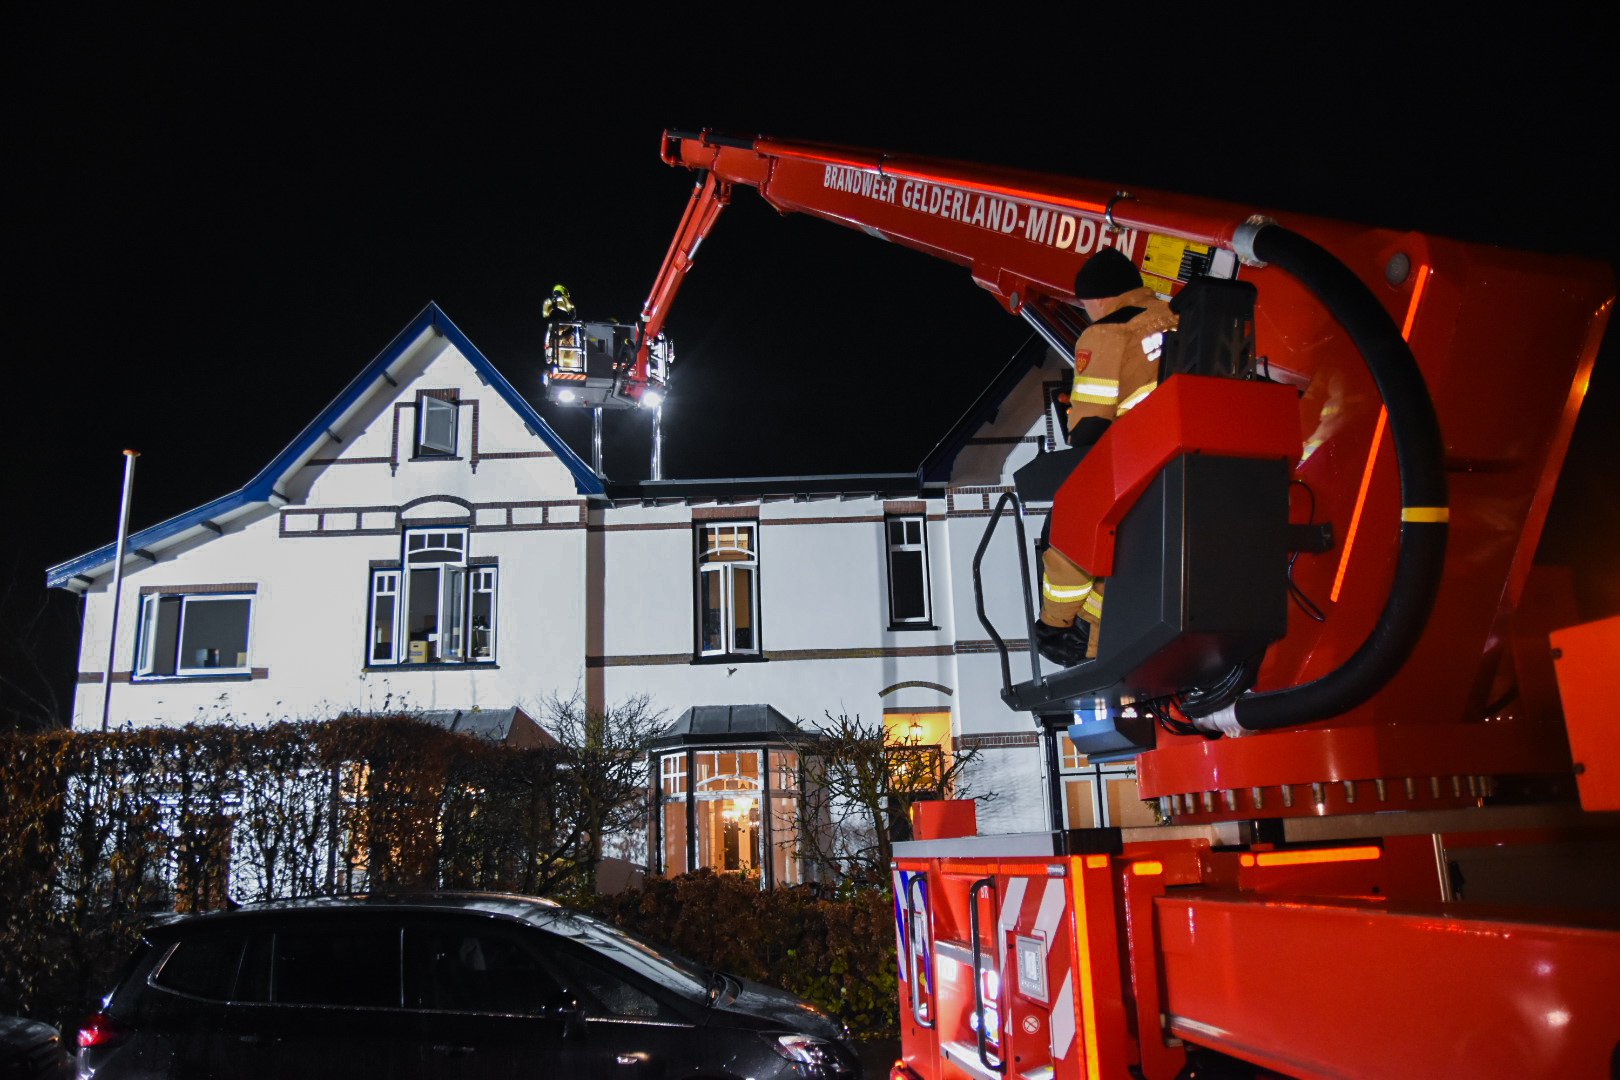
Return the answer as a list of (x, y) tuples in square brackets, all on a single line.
[(1420, 463)]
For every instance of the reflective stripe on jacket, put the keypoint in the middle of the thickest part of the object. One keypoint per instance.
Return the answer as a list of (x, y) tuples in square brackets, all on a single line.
[(1116, 359)]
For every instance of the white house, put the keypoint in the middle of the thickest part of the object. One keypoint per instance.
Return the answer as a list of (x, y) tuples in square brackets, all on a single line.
[(428, 542)]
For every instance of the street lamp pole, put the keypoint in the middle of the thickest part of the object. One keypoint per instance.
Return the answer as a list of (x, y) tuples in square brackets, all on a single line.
[(117, 585)]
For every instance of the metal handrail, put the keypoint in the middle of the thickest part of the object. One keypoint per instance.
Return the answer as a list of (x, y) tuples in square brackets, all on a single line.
[(978, 960), (911, 949), (1024, 583)]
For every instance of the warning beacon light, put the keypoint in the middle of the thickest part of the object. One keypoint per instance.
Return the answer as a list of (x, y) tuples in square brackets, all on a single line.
[(594, 364)]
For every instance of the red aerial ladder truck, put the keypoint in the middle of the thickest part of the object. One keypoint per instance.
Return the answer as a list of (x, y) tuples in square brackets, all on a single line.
[(1402, 407)]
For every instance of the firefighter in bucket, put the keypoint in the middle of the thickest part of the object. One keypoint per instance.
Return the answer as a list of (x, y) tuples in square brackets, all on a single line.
[(565, 337)]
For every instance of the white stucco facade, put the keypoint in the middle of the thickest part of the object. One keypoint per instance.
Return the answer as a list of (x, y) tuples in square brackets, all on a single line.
[(590, 594)]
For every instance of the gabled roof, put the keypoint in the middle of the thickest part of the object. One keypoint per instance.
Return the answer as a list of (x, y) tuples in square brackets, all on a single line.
[(264, 491), (936, 467)]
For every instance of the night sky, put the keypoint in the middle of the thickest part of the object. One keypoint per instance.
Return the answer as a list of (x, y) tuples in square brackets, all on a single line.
[(217, 225)]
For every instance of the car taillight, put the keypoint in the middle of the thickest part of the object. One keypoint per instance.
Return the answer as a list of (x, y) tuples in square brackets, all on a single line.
[(101, 1030)]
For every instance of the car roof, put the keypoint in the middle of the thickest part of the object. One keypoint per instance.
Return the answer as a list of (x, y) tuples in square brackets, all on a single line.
[(511, 906)]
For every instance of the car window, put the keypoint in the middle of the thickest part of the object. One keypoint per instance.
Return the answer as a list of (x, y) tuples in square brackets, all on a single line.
[(667, 969), (253, 978), (474, 969), (203, 966), (337, 965), (606, 989)]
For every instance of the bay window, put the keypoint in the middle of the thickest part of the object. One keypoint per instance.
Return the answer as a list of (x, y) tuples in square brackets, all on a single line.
[(733, 810)]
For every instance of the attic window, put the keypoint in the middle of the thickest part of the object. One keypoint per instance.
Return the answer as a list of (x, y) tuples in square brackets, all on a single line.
[(436, 426)]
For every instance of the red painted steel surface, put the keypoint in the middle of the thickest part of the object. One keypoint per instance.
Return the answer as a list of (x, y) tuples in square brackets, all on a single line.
[(1187, 415), (1161, 1058), (1387, 767), (1312, 960), (914, 929), (1340, 988), (942, 819), (1363, 979), (1586, 657), (1505, 341), (1506, 426)]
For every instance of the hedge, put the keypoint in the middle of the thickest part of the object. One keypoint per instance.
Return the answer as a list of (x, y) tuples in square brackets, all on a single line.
[(102, 831), (837, 951), (99, 831)]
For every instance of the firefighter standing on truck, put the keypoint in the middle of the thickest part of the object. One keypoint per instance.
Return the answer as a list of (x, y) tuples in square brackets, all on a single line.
[(559, 304), (1115, 367)]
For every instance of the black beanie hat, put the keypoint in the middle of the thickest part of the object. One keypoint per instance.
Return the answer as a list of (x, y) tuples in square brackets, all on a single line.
[(1107, 273)]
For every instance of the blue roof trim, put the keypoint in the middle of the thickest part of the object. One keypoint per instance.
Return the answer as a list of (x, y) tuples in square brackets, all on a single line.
[(586, 482), (263, 485)]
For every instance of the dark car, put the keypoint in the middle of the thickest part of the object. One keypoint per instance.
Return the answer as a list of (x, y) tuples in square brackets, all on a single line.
[(442, 986), (32, 1050)]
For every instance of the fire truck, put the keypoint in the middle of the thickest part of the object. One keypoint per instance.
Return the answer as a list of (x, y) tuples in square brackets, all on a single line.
[(1349, 793)]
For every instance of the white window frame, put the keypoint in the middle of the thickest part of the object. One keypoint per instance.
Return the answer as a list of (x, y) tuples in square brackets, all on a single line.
[(672, 774), (921, 546), (708, 536), (477, 576), (733, 787), (459, 581), (397, 573), (427, 405), (146, 635)]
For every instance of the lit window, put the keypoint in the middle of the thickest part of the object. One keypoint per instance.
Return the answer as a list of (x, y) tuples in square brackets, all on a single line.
[(918, 727), (729, 833), (786, 866), (737, 812), (447, 613), (908, 571), (746, 807), (672, 791), (436, 426), (728, 590), (193, 634), (1099, 795)]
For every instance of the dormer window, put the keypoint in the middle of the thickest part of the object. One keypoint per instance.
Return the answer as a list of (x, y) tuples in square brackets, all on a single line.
[(436, 427)]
